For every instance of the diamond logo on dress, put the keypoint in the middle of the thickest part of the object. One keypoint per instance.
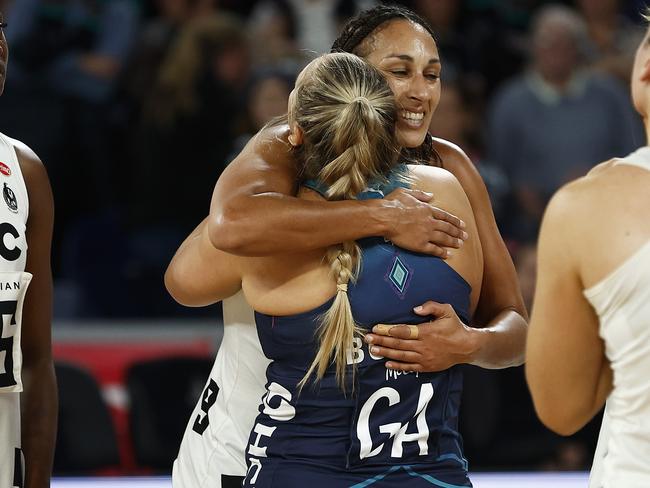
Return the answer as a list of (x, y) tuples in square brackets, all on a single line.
[(399, 274)]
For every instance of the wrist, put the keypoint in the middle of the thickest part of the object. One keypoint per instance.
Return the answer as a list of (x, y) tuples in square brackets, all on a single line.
[(382, 216), (477, 340)]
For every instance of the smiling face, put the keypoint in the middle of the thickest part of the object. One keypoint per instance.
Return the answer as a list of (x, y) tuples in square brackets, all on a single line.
[(407, 56)]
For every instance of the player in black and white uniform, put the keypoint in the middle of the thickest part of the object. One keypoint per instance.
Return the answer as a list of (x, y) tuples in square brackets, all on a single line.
[(211, 453), (28, 397)]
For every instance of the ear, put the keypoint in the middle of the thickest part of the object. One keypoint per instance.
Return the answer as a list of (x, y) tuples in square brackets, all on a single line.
[(295, 135)]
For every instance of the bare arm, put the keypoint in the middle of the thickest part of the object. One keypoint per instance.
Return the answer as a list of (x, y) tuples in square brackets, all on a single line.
[(501, 315), (254, 211), (199, 274), (567, 372), (501, 311), (39, 400)]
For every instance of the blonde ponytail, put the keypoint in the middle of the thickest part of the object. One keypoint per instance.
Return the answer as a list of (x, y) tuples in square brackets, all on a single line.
[(347, 114)]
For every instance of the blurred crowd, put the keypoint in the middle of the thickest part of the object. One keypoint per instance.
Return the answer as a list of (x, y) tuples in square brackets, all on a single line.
[(137, 106)]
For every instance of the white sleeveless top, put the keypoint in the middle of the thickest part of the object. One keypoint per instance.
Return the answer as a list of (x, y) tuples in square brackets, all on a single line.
[(214, 442), (622, 302), (14, 210)]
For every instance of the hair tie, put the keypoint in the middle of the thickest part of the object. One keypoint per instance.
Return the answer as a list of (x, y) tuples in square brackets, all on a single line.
[(342, 287)]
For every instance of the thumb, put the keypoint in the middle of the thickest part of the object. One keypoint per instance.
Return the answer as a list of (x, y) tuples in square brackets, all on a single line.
[(432, 308)]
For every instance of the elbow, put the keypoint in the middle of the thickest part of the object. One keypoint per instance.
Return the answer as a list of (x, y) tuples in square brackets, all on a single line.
[(227, 231), (560, 411), (183, 289), (560, 419), (171, 284), (174, 285)]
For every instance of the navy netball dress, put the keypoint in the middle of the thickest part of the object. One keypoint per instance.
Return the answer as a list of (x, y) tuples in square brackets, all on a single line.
[(389, 428)]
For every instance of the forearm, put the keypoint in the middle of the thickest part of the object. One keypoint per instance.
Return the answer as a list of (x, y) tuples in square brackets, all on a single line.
[(501, 343), (38, 422), (196, 274), (271, 223)]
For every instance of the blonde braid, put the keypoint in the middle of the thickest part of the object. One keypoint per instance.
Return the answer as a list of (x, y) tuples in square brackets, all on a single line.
[(347, 113)]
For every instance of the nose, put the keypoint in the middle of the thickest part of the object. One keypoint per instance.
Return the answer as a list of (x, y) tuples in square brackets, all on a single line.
[(419, 89)]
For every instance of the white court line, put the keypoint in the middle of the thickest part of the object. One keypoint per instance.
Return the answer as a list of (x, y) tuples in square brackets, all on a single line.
[(480, 480)]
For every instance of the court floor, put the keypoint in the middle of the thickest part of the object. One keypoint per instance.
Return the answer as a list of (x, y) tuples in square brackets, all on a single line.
[(480, 480)]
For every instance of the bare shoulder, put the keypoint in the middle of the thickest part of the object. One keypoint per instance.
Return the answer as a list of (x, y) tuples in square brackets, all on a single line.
[(439, 181), (453, 157), (461, 166), (578, 211), (271, 144), (448, 194), (584, 196), (449, 151), (599, 220), (31, 167)]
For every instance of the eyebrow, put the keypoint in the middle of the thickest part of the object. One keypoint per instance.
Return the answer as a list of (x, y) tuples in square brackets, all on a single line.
[(406, 57)]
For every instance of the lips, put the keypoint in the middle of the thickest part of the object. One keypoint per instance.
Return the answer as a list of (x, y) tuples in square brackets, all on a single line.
[(411, 118)]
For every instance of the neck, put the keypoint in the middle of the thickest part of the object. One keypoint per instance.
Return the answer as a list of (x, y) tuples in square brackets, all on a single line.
[(646, 124)]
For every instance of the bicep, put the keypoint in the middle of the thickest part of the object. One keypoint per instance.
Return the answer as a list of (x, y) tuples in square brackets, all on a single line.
[(565, 355), (265, 165)]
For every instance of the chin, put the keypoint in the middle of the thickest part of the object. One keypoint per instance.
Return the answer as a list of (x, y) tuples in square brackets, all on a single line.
[(411, 140)]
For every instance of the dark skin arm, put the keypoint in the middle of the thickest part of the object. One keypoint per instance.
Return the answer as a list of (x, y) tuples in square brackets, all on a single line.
[(39, 400), (498, 336), (254, 212)]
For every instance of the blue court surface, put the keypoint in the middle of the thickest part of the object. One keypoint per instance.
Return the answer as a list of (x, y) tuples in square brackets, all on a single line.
[(480, 480)]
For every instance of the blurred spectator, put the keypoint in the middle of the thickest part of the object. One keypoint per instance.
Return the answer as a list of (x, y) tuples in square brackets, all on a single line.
[(457, 119), (295, 31), (66, 58), (267, 97), (553, 123), (189, 122), (155, 38), (272, 25), (79, 46), (317, 21), (612, 38), (474, 41), (188, 125), (525, 258)]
